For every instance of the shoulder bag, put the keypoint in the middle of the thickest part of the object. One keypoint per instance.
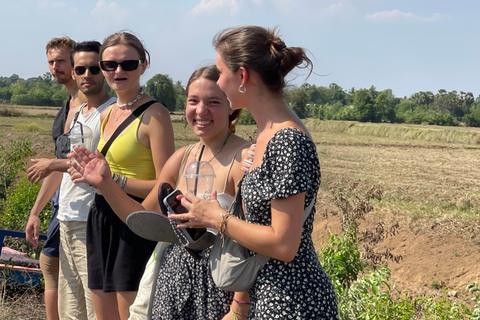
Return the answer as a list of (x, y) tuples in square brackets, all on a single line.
[(233, 269)]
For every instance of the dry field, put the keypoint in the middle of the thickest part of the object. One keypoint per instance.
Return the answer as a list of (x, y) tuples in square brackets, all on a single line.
[(431, 187)]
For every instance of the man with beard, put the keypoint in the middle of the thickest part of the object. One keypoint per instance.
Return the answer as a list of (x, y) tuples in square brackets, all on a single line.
[(74, 298), (58, 56)]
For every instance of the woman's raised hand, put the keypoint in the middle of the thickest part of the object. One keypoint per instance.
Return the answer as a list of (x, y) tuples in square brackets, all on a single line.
[(88, 167)]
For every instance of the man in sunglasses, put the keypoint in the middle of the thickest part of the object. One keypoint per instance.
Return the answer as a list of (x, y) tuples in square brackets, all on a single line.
[(74, 298), (58, 57)]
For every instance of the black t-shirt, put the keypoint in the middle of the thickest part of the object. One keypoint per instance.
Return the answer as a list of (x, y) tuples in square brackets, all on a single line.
[(58, 127)]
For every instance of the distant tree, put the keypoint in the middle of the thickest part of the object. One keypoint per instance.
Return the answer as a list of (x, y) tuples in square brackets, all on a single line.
[(364, 106), (298, 102), (473, 119), (337, 94), (180, 98), (160, 87), (446, 102)]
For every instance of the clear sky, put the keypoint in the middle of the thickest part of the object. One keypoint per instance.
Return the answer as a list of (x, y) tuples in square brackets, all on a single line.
[(403, 45)]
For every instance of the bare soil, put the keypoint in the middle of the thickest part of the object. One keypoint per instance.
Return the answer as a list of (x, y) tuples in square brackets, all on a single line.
[(431, 254)]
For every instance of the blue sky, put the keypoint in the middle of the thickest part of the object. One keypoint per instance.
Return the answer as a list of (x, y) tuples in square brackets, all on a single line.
[(403, 45)]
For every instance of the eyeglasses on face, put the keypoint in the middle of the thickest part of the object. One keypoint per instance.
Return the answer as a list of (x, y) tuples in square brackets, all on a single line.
[(127, 65), (79, 70)]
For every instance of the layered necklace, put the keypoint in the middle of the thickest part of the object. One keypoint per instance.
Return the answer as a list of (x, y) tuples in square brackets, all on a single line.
[(200, 149), (128, 104)]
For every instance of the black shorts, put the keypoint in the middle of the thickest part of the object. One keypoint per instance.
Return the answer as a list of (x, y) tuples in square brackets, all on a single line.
[(116, 257), (51, 245)]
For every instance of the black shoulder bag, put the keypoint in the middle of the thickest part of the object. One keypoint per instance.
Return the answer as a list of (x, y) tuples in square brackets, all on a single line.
[(62, 143)]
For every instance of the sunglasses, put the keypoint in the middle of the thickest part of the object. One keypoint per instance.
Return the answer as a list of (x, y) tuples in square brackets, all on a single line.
[(81, 70), (127, 65)]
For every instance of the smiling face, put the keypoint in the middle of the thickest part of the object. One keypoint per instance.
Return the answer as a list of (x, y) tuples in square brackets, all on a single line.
[(88, 83), (207, 109), (121, 80), (59, 64)]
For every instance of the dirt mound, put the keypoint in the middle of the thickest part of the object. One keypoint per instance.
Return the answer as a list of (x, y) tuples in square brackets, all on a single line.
[(435, 257)]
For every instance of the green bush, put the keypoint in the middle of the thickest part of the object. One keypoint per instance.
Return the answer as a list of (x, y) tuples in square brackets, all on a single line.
[(20, 199), (30, 127), (12, 161), (341, 259)]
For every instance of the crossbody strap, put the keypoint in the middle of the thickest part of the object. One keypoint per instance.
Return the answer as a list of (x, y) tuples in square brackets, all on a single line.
[(184, 161), (76, 117), (135, 114)]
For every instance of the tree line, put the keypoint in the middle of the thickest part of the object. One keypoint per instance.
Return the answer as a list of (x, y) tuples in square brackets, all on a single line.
[(45, 91), (369, 105), (327, 103)]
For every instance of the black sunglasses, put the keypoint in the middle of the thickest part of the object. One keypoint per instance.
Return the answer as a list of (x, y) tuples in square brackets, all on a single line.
[(127, 65), (81, 70)]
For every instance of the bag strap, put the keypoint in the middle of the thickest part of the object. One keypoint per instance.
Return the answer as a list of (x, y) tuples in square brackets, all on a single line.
[(76, 117), (135, 114), (184, 161)]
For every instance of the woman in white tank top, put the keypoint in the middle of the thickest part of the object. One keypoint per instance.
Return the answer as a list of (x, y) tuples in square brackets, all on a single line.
[(184, 288)]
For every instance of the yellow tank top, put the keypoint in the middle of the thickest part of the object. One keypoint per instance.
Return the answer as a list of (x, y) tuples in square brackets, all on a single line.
[(127, 156)]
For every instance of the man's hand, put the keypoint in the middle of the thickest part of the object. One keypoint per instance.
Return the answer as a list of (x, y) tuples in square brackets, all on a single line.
[(39, 170), (32, 230)]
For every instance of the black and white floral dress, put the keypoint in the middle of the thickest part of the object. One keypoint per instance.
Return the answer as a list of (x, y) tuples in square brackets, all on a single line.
[(185, 289), (299, 289)]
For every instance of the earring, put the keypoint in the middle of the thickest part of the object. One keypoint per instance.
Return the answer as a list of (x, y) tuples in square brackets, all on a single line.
[(242, 89)]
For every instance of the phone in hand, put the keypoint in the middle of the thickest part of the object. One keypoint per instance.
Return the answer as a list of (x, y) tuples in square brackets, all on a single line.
[(175, 206)]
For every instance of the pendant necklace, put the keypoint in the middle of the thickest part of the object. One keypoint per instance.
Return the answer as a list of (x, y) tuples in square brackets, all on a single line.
[(216, 153)]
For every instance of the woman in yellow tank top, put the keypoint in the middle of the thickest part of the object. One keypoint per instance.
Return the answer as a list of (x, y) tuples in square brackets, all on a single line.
[(116, 257)]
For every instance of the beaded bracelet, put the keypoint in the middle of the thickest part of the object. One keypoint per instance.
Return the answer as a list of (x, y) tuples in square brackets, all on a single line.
[(115, 177), (123, 182), (223, 223)]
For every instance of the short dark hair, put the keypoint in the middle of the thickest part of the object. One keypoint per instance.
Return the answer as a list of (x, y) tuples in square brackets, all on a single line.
[(85, 46)]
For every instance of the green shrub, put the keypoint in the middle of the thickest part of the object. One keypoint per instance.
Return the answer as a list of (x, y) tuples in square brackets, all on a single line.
[(20, 199), (30, 127), (12, 161), (341, 259)]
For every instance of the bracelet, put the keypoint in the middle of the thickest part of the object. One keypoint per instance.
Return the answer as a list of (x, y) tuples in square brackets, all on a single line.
[(115, 177), (123, 182), (241, 302), (223, 225)]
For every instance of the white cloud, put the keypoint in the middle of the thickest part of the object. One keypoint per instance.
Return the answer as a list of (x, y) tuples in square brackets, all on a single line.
[(210, 6), (396, 14), (112, 10), (45, 4), (338, 8)]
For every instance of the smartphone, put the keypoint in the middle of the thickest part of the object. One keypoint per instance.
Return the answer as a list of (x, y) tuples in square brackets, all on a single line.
[(175, 206)]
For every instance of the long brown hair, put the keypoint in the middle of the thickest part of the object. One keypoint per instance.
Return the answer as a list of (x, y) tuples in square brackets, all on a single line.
[(261, 50)]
